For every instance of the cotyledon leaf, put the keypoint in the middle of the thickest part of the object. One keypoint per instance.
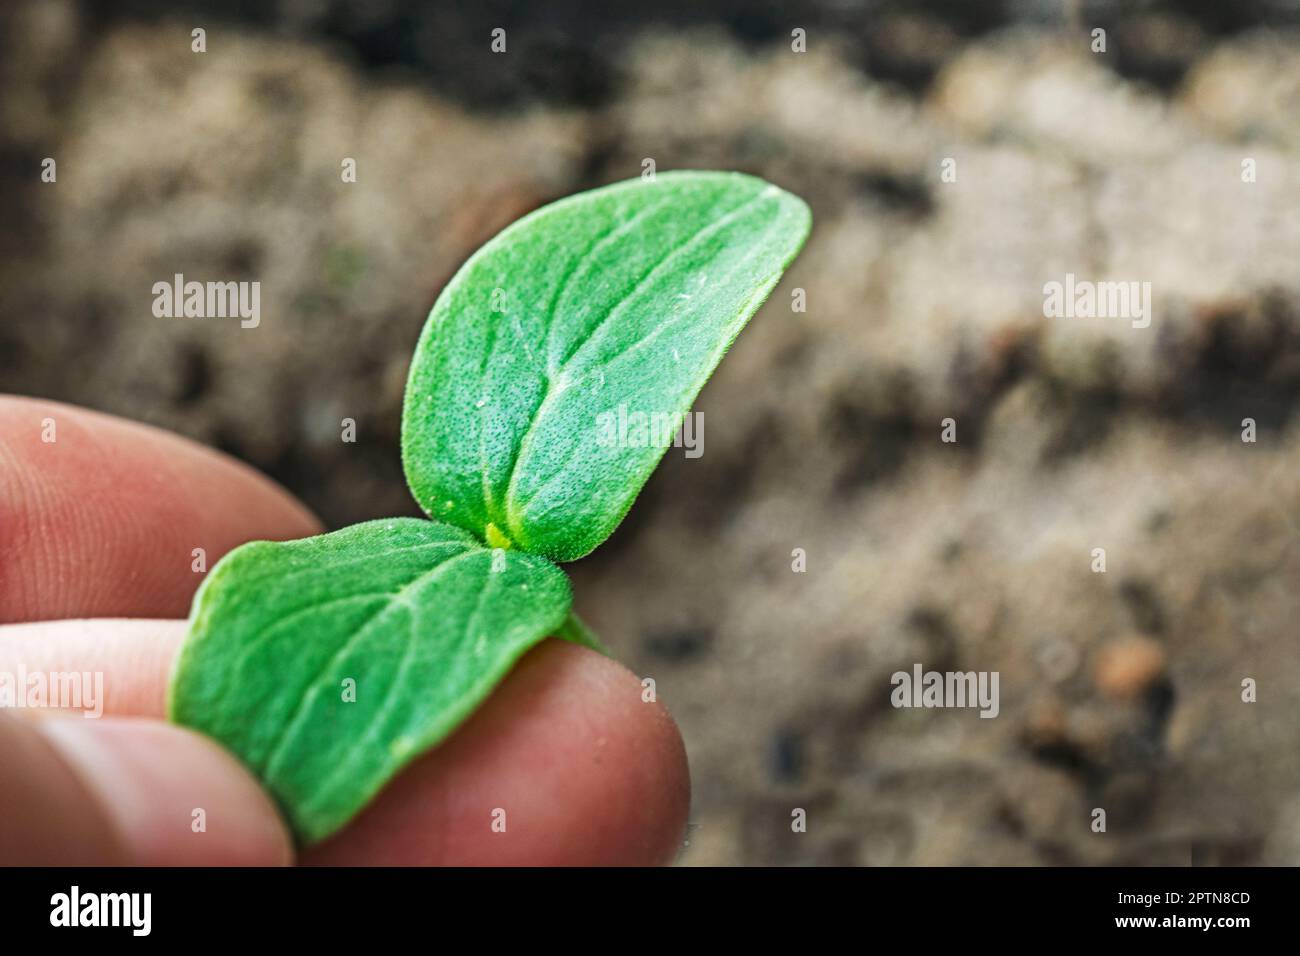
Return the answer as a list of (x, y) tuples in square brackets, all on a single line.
[(327, 664), (556, 365)]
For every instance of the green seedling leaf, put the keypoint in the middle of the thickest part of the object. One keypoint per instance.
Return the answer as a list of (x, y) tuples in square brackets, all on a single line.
[(328, 664), (581, 316)]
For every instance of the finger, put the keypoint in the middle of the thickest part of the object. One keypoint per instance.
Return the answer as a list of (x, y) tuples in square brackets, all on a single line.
[(121, 666), (102, 517), (585, 770), (79, 792)]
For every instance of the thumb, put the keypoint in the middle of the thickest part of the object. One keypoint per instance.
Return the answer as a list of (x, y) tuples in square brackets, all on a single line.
[(128, 792)]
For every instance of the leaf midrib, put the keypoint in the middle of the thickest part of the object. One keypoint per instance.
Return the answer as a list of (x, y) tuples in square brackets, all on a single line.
[(514, 514), (495, 514)]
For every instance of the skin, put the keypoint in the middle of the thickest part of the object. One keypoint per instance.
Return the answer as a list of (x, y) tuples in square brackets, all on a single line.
[(96, 533)]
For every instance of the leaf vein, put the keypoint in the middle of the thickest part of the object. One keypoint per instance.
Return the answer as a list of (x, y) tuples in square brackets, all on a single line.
[(309, 692), (376, 721)]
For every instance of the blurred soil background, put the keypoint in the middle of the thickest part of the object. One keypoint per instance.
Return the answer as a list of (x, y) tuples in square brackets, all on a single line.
[(1119, 690)]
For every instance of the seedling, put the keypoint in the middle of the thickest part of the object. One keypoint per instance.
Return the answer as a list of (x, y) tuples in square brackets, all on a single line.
[(328, 664)]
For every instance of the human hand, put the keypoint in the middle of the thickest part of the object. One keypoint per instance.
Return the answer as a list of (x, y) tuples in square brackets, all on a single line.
[(97, 530)]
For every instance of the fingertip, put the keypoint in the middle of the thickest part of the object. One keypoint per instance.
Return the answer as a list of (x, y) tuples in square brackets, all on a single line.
[(636, 753)]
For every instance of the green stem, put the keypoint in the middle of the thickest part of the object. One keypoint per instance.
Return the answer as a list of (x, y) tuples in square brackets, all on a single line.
[(574, 630)]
